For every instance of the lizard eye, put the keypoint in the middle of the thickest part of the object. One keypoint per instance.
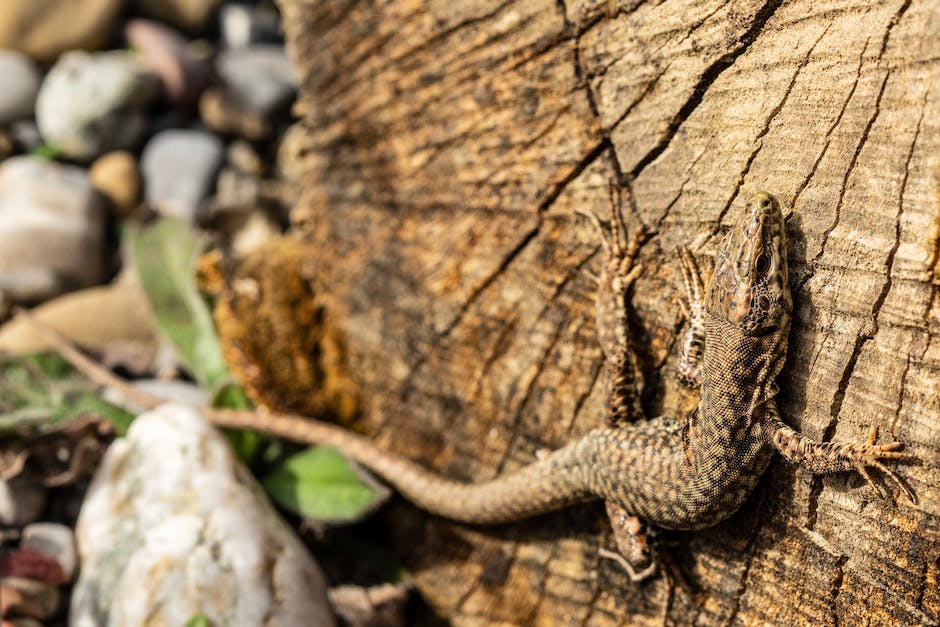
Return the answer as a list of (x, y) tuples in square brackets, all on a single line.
[(762, 265)]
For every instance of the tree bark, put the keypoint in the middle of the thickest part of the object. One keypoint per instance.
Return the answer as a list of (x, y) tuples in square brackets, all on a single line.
[(449, 145)]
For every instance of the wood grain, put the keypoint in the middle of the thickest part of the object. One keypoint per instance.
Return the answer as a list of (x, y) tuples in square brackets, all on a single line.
[(449, 144)]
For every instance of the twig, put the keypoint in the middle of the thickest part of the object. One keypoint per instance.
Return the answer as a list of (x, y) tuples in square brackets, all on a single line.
[(88, 367)]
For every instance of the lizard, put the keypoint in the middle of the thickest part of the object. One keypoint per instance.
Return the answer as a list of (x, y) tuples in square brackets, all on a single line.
[(674, 474)]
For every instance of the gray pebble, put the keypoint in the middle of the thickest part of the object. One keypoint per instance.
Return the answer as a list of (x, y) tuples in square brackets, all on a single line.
[(26, 135), (21, 501), (261, 78), (90, 104), (51, 229), (242, 25), (20, 78), (179, 168)]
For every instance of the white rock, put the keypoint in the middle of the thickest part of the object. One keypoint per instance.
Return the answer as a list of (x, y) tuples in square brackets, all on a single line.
[(173, 526), (179, 169), (90, 104), (20, 79), (51, 229)]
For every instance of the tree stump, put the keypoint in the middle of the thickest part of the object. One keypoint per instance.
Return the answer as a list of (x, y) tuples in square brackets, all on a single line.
[(449, 145)]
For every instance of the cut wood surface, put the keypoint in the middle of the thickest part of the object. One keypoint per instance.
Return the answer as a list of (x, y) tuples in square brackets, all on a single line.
[(449, 145)]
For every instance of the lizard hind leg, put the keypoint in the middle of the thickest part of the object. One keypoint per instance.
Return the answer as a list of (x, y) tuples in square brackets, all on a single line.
[(634, 552)]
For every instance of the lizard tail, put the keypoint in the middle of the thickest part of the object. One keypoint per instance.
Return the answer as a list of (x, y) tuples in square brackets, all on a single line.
[(550, 483)]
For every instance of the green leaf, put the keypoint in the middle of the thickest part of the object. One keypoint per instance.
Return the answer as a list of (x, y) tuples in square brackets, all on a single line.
[(165, 255), (231, 395), (42, 390), (199, 620), (320, 483), (47, 152)]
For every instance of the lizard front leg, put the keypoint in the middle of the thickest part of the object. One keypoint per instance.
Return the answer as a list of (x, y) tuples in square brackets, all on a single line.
[(829, 457), (689, 365), (618, 273)]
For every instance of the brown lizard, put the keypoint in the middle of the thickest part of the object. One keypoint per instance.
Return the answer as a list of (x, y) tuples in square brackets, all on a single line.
[(676, 474)]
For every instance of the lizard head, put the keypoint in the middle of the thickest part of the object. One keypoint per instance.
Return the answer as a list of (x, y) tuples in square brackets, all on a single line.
[(749, 286)]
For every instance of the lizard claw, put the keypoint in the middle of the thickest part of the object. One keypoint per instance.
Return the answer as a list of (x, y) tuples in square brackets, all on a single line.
[(634, 575), (621, 252), (872, 455)]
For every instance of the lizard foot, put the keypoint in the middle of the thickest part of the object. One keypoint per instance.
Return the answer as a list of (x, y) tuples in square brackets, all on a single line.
[(870, 454), (632, 573), (620, 250), (633, 553)]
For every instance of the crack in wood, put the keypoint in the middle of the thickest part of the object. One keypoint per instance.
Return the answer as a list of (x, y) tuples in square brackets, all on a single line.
[(541, 588), (766, 129), (836, 588), (515, 420), (488, 280), (688, 177), (708, 77), (392, 61), (579, 168), (832, 127), (581, 399), (864, 338), (838, 397), (749, 552), (814, 264), (862, 141)]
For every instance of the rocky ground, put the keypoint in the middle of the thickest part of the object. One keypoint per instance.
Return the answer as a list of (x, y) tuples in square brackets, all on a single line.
[(114, 115)]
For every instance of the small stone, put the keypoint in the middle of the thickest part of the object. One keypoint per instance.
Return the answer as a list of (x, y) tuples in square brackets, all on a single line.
[(179, 170), (191, 15), (245, 159), (260, 78), (236, 193), (20, 79), (55, 541), (29, 598), (6, 145), (90, 104), (293, 147), (383, 604), (173, 526), (242, 25), (21, 501), (44, 29), (32, 564), (168, 54), (117, 177), (25, 135), (223, 114), (51, 229), (257, 230)]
